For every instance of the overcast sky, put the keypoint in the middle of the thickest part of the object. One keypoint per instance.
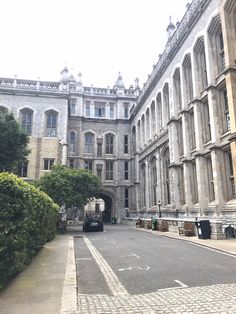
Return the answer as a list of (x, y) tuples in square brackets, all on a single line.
[(98, 38)]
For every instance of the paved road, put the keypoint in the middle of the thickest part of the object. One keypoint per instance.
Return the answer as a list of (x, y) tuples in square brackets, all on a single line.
[(123, 270)]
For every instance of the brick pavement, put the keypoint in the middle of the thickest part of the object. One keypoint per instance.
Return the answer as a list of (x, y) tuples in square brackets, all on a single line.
[(218, 299)]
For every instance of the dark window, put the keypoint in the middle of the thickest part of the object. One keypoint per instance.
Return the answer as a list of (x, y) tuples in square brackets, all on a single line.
[(88, 164), (126, 197), (126, 170), (72, 106), (126, 144), (48, 163), (109, 170), (88, 143), (51, 124), (23, 169), (109, 144), (26, 121)]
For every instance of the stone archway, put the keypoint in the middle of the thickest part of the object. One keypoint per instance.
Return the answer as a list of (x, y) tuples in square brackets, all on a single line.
[(108, 207)]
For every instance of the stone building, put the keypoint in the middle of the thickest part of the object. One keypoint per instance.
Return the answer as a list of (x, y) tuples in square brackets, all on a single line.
[(171, 143), (183, 125)]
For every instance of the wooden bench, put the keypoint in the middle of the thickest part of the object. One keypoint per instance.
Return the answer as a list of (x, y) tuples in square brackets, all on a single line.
[(163, 226), (188, 229)]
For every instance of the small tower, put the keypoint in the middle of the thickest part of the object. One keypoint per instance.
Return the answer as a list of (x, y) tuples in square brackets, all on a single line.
[(119, 85), (64, 75)]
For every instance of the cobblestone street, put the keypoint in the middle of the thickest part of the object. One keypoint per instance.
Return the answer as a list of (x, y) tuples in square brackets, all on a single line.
[(218, 299)]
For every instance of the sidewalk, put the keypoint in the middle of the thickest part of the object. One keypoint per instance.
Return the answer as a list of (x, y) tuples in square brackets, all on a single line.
[(39, 288), (226, 245)]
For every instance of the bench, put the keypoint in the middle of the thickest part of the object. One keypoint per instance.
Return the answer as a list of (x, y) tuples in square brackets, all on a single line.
[(163, 226), (188, 229)]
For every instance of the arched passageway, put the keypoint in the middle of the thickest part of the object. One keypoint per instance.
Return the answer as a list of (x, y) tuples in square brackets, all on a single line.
[(108, 208)]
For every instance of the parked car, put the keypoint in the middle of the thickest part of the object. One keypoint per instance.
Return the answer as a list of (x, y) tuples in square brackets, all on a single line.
[(93, 223)]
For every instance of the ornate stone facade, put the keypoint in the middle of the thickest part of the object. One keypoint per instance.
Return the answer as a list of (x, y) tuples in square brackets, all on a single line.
[(173, 142)]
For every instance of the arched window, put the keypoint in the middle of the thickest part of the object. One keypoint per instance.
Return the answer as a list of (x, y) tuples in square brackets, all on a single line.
[(166, 177), (109, 144), (154, 180), (26, 120), (72, 139), (51, 124), (89, 141)]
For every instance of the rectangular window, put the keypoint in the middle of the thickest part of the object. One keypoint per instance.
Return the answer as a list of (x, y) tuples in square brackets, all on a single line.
[(230, 174), (226, 111), (109, 144), (126, 110), (23, 170), (126, 198), (221, 52), (26, 121), (126, 170), (210, 180), (182, 185), (100, 111), (72, 106), (87, 110), (112, 111), (180, 138), (194, 183), (48, 163), (206, 123), (109, 170), (88, 143), (192, 130), (51, 124), (126, 144), (88, 165)]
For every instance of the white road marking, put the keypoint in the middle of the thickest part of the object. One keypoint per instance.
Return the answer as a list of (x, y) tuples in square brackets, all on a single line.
[(84, 259), (112, 280), (109, 248), (142, 267), (100, 238), (181, 283), (131, 255)]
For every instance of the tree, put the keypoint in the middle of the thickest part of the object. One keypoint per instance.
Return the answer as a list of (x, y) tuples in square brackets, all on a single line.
[(13, 143), (70, 187)]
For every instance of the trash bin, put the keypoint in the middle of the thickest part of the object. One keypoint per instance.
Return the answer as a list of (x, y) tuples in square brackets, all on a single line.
[(154, 224), (203, 229), (230, 232), (113, 221)]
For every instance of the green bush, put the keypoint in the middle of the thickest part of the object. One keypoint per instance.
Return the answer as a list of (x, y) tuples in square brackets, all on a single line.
[(27, 220)]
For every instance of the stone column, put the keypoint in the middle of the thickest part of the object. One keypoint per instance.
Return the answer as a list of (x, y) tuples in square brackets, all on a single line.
[(64, 153), (217, 162)]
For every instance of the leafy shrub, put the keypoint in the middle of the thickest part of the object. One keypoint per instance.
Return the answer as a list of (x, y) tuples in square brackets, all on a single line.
[(27, 220)]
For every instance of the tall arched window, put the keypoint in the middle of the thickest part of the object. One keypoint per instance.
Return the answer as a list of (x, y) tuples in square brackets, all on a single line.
[(51, 124), (166, 177), (26, 120), (109, 144), (89, 142), (153, 180), (72, 139)]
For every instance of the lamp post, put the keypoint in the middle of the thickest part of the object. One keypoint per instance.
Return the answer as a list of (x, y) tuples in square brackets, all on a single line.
[(159, 207)]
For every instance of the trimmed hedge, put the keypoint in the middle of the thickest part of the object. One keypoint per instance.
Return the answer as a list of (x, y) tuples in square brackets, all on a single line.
[(28, 219)]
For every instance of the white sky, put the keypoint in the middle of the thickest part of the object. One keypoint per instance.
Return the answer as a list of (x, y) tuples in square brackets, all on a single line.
[(98, 38)]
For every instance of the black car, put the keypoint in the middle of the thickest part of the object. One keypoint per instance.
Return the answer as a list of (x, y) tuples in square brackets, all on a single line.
[(93, 223)]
